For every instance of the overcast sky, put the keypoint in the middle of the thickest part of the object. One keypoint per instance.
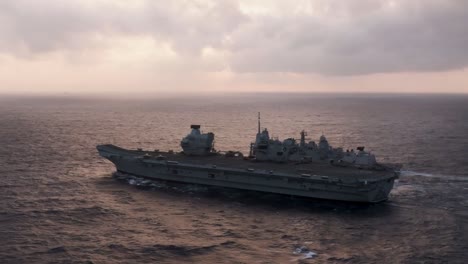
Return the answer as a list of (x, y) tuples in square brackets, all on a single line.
[(120, 46)]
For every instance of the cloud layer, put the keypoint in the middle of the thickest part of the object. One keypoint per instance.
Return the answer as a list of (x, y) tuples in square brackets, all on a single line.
[(329, 37)]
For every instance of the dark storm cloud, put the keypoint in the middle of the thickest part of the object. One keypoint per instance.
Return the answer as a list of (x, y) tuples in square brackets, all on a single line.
[(416, 36), (341, 38)]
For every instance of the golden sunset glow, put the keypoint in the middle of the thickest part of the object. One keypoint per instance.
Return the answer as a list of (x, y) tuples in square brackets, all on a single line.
[(233, 46)]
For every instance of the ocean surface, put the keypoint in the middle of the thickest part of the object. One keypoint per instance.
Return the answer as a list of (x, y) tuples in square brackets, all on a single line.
[(60, 204)]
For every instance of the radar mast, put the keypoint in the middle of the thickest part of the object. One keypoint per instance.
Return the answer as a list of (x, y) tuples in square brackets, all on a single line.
[(258, 122)]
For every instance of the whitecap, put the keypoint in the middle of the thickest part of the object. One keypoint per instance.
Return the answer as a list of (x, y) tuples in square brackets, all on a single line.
[(307, 253), (310, 255)]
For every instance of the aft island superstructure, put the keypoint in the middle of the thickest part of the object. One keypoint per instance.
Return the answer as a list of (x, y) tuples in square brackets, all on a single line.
[(286, 167)]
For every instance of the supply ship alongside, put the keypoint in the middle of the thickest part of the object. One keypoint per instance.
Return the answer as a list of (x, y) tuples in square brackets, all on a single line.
[(286, 167)]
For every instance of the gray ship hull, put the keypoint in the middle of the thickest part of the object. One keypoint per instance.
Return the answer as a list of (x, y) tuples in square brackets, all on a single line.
[(185, 170)]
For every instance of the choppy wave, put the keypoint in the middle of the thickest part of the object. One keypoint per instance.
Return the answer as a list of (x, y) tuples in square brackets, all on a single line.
[(59, 205)]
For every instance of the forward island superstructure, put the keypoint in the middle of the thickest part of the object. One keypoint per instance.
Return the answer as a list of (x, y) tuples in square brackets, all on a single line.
[(286, 167)]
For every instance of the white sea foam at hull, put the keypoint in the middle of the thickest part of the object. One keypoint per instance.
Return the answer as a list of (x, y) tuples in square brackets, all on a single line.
[(405, 173), (415, 173)]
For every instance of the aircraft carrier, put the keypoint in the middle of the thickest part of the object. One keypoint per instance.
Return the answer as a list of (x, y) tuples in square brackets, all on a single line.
[(285, 167)]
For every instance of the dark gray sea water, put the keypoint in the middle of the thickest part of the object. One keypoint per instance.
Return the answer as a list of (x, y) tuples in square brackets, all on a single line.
[(60, 204)]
